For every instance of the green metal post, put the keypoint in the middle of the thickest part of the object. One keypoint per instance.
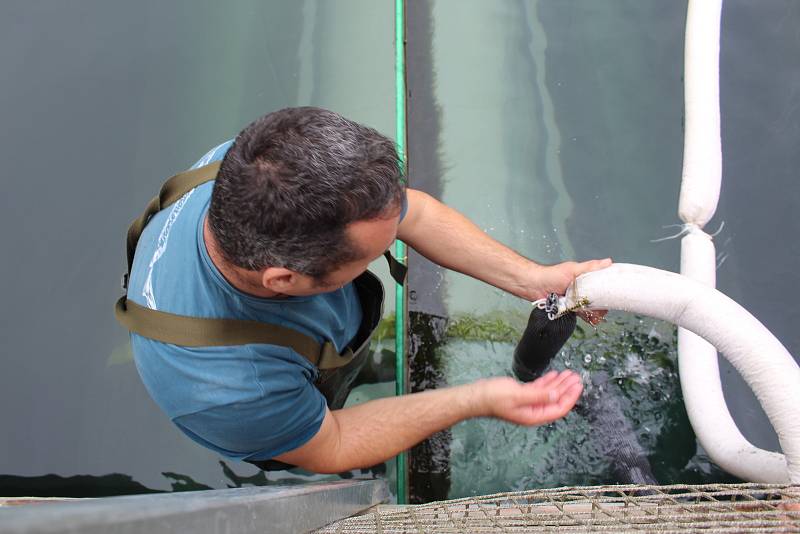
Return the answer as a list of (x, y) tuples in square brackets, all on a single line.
[(399, 247)]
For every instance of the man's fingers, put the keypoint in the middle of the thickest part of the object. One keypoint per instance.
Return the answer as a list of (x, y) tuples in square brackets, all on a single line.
[(546, 379), (568, 394), (592, 265), (565, 403), (571, 396), (568, 385), (565, 398), (548, 389), (589, 266), (535, 394), (564, 377)]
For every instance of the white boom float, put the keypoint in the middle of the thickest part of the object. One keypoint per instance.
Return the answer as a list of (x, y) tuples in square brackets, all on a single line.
[(700, 187), (760, 358), (690, 301)]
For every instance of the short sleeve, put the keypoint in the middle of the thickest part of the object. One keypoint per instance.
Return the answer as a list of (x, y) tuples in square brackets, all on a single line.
[(288, 414)]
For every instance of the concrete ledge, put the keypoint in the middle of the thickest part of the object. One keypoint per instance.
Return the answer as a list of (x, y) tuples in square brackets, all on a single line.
[(241, 510)]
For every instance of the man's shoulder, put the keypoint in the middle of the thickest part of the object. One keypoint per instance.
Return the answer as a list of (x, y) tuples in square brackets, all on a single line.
[(168, 258), (167, 261)]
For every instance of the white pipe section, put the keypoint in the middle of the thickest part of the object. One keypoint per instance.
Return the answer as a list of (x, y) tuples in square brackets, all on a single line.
[(702, 147), (702, 175), (702, 388), (757, 355)]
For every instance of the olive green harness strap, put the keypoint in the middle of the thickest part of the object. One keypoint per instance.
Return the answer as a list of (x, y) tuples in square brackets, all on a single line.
[(209, 332), (205, 332), (173, 189)]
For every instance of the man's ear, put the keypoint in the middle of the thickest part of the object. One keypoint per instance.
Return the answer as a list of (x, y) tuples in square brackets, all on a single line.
[(279, 279)]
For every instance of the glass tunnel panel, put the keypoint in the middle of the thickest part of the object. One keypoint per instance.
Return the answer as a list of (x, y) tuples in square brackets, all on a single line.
[(557, 128)]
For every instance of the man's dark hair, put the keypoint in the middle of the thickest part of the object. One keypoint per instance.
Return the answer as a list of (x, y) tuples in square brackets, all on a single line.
[(290, 184)]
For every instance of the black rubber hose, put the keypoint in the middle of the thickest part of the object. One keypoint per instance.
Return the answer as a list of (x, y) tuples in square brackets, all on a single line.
[(612, 433), (540, 342)]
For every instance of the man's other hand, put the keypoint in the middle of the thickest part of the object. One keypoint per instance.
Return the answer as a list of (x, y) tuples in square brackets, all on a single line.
[(372, 432), (533, 403)]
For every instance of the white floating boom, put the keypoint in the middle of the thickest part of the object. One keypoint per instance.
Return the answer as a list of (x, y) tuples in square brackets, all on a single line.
[(700, 186), (757, 355)]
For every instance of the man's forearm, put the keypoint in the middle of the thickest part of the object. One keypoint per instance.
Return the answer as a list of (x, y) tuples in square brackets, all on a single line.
[(377, 430), (449, 239)]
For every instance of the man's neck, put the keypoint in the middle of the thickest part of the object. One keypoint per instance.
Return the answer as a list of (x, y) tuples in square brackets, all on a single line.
[(246, 281)]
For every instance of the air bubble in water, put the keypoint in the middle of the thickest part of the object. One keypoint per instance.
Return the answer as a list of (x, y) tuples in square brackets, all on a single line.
[(587, 358)]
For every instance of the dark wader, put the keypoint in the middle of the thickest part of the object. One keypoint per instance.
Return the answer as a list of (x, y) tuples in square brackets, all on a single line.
[(337, 371)]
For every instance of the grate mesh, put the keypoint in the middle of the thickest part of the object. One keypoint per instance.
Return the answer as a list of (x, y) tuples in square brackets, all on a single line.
[(712, 508)]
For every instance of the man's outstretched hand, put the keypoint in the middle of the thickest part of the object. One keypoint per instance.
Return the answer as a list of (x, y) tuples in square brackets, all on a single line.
[(534, 403), (370, 433)]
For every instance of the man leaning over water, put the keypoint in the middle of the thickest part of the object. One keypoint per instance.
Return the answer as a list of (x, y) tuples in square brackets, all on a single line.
[(303, 201)]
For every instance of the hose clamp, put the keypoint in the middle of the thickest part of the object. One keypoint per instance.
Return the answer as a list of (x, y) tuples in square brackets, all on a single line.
[(551, 306)]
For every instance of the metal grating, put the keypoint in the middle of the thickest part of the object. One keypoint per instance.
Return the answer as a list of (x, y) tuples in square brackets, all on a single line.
[(712, 508)]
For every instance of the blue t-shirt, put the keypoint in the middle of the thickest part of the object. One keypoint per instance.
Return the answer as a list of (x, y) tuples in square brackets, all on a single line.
[(247, 402)]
